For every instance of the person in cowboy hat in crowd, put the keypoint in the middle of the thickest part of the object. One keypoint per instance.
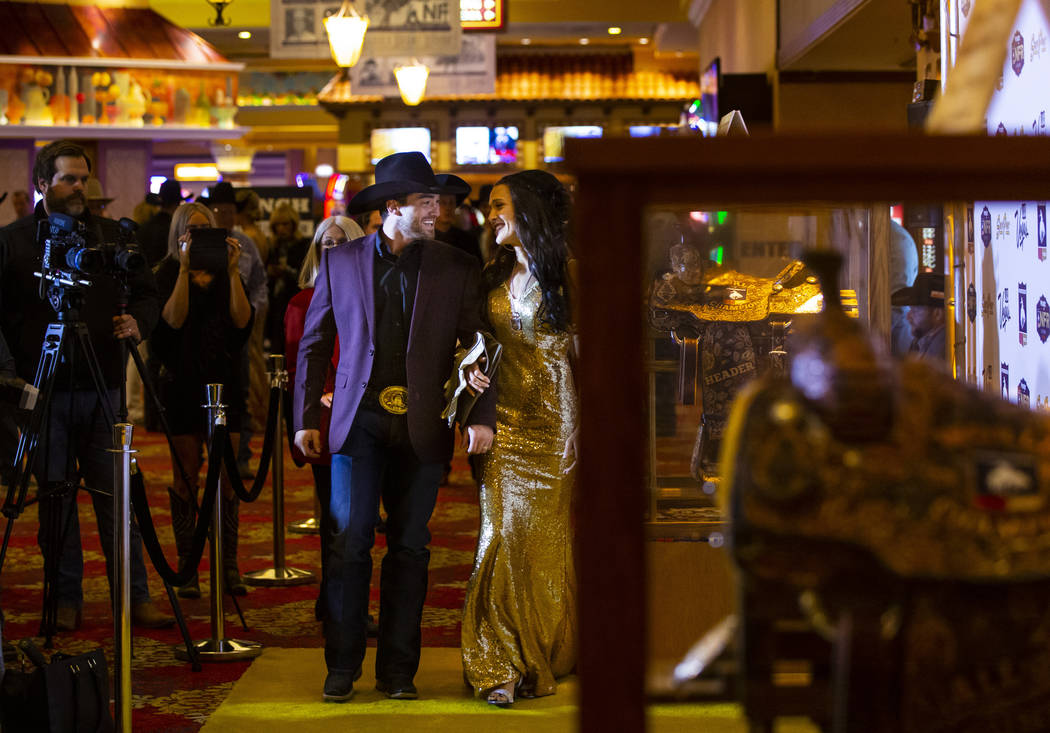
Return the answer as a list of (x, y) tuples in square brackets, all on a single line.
[(445, 229), (397, 301), (96, 199), (925, 301), (154, 233)]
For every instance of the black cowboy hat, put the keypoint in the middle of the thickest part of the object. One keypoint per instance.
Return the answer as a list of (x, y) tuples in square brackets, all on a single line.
[(171, 193), (399, 175), (221, 193), (448, 179), (927, 290)]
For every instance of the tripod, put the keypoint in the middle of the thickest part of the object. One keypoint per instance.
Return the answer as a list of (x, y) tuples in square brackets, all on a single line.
[(66, 335)]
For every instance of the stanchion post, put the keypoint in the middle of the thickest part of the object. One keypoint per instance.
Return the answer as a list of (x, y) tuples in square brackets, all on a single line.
[(279, 574), (122, 438), (218, 648)]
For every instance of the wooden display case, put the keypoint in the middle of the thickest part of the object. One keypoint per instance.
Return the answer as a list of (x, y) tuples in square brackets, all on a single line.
[(619, 181)]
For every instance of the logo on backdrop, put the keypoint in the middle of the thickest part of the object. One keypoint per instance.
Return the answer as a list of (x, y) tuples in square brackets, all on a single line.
[(1000, 130), (1004, 308), (971, 303), (1038, 45), (1022, 314), (1042, 319), (1040, 230), (1002, 226), (1017, 53), (1021, 224), (986, 226), (1004, 379), (1039, 124), (1024, 397)]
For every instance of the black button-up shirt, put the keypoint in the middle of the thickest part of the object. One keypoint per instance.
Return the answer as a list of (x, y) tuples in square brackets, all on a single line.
[(394, 284)]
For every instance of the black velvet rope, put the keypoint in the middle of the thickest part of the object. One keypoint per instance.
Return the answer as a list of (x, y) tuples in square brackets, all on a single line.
[(230, 456), (220, 437), (200, 532)]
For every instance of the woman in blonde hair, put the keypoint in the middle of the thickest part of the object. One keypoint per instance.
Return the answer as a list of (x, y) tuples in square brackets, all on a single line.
[(205, 321), (331, 232), (285, 258)]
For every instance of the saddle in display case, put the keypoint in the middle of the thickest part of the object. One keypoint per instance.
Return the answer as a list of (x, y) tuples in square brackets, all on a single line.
[(892, 531), (730, 327)]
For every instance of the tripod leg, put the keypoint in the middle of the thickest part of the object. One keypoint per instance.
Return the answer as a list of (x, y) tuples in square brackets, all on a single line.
[(240, 614), (191, 648), (56, 522)]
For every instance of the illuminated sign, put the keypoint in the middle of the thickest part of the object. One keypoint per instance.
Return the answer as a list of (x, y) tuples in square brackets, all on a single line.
[(196, 172), (481, 15)]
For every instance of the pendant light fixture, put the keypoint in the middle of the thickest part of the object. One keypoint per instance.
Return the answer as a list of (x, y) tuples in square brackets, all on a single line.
[(346, 34), (412, 82)]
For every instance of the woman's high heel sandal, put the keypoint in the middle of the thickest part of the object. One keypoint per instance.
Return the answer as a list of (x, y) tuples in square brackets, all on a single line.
[(503, 696)]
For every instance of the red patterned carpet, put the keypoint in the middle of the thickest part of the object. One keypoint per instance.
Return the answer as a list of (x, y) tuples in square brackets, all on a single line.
[(167, 694)]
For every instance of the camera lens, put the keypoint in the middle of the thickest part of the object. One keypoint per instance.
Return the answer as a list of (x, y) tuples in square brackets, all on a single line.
[(130, 258), (84, 259)]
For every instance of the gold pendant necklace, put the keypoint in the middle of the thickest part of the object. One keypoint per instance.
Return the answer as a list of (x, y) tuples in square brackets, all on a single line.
[(515, 315)]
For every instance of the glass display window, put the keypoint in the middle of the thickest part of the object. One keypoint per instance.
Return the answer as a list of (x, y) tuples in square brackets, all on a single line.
[(707, 241)]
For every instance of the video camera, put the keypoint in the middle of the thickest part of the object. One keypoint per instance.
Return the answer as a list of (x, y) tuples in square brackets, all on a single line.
[(68, 257)]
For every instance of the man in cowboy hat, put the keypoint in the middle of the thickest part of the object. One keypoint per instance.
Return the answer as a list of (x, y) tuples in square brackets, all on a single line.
[(445, 228), (925, 301), (96, 199), (154, 233), (397, 301)]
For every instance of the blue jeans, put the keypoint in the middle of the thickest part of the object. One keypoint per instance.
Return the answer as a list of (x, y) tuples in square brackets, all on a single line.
[(75, 446), (377, 461)]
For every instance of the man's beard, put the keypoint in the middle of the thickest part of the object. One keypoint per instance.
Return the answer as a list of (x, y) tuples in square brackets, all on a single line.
[(415, 230), (75, 204)]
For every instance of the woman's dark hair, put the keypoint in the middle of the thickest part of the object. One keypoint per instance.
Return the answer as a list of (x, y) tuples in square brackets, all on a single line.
[(541, 220)]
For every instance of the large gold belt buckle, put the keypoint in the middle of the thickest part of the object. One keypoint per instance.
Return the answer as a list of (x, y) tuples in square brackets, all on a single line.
[(394, 400)]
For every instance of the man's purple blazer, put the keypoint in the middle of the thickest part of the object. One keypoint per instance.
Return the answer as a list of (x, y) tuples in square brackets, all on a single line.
[(447, 309)]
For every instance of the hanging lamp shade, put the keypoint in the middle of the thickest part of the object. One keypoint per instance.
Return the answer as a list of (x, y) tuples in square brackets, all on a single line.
[(346, 34), (412, 82)]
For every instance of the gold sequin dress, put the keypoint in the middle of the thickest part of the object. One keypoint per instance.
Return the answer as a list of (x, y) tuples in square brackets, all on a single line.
[(519, 617)]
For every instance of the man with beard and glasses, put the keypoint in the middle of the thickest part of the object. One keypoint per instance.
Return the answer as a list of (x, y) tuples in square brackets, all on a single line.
[(398, 302), (77, 436)]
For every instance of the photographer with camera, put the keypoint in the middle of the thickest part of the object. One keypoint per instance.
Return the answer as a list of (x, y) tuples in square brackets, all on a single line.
[(205, 323), (77, 434)]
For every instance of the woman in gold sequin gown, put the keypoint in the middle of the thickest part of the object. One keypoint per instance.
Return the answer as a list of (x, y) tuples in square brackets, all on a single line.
[(519, 624)]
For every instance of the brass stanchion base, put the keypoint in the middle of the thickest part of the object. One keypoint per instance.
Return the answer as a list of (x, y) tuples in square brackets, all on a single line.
[(306, 526), (275, 577), (222, 650)]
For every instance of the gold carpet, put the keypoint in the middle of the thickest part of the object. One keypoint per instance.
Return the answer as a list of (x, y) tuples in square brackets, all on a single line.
[(281, 691)]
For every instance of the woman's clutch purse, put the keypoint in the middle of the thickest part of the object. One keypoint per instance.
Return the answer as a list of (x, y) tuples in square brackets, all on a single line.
[(458, 405)]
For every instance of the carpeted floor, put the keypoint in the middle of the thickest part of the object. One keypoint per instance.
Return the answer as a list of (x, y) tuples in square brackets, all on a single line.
[(167, 694), (281, 690)]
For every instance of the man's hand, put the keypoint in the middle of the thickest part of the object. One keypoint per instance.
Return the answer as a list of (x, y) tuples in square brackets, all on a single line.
[(478, 439), (309, 442), (125, 327)]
